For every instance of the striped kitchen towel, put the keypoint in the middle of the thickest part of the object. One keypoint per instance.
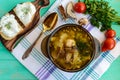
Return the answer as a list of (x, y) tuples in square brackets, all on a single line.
[(43, 68)]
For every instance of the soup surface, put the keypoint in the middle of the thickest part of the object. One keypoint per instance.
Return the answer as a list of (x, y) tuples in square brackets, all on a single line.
[(71, 48)]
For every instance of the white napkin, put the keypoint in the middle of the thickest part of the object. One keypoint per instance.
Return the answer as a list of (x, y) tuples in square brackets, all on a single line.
[(43, 68)]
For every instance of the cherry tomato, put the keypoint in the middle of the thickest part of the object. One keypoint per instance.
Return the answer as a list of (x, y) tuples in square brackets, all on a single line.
[(80, 7), (108, 44), (110, 33), (104, 49)]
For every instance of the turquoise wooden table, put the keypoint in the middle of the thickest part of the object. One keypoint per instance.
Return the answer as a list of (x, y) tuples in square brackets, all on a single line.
[(11, 69)]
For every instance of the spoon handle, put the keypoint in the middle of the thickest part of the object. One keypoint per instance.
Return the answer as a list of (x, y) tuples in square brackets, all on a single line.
[(28, 51)]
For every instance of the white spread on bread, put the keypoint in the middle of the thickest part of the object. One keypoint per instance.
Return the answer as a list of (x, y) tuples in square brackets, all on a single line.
[(9, 27), (25, 12)]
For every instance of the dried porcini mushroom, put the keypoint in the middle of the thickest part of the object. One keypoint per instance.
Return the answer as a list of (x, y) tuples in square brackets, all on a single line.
[(62, 12), (70, 10), (83, 21)]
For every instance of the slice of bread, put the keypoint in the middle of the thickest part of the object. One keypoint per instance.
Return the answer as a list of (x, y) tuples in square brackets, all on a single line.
[(9, 27), (25, 12)]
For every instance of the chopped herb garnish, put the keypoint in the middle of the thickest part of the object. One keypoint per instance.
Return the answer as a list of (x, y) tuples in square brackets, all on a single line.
[(83, 47), (25, 10), (8, 25)]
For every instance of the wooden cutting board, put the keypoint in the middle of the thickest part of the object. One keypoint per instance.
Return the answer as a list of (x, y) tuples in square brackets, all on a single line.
[(9, 44)]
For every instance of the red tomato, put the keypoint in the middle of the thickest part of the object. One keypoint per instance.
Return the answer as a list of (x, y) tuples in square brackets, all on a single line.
[(80, 7), (104, 49), (110, 33), (108, 44)]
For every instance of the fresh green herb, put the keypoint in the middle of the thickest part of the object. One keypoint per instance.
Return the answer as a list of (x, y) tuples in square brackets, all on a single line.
[(8, 25), (101, 14), (82, 46), (25, 10)]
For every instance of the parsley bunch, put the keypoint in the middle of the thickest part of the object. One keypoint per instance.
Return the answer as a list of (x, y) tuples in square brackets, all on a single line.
[(101, 14)]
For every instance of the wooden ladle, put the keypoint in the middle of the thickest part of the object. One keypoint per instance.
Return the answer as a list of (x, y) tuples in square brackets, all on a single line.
[(48, 24)]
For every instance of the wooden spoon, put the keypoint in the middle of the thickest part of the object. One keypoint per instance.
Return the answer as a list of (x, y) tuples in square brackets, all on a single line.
[(48, 24)]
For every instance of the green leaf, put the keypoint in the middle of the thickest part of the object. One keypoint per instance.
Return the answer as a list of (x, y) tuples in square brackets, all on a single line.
[(101, 12)]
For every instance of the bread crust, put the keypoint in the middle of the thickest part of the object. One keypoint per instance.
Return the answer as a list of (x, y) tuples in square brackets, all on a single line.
[(21, 25), (7, 37), (26, 25)]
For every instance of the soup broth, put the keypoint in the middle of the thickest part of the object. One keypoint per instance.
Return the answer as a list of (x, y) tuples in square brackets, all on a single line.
[(71, 48)]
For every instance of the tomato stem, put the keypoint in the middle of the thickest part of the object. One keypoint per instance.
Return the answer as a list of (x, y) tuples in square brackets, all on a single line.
[(79, 1)]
